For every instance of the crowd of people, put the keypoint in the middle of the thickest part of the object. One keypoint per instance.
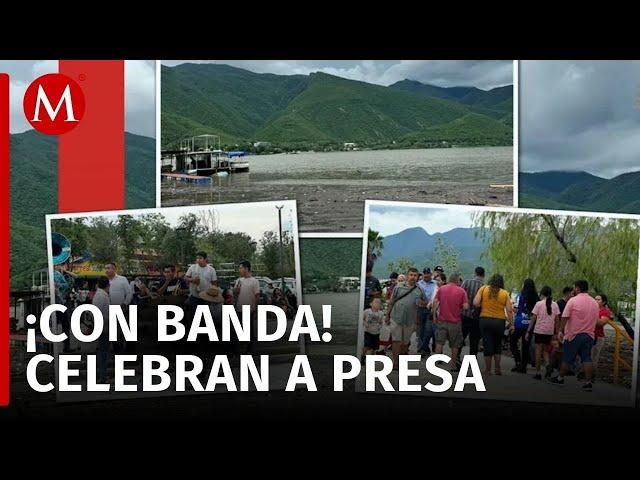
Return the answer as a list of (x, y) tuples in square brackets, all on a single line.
[(199, 285), (560, 336)]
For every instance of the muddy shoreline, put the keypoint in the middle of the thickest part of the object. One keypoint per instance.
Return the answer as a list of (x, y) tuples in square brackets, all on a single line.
[(334, 208)]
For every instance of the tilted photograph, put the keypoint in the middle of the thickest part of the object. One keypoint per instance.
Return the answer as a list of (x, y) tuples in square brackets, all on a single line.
[(546, 302), (234, 254), (331, 134)]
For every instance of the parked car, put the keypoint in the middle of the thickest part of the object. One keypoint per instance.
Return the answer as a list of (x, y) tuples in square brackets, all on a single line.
[(290, 284)]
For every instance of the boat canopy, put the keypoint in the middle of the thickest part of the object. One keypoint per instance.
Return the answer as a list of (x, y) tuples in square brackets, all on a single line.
[(236, 153)]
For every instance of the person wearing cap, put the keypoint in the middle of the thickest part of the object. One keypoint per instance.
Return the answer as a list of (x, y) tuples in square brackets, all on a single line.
[(438, 273), (402, 314), (393, 282), (425, 331), (200, 276)]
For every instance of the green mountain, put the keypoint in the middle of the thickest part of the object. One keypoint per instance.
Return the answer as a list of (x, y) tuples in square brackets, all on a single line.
[(496, 103), (140, 171), (418, 245), (34, 193), (243, 107), (580, 191), (472, 128), (223, 100), (527, 200)]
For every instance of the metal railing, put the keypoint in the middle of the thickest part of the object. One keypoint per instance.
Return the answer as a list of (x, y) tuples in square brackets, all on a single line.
[(618, 361)]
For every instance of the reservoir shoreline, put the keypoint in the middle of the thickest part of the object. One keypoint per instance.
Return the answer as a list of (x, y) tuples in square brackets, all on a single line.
[(331, 187)]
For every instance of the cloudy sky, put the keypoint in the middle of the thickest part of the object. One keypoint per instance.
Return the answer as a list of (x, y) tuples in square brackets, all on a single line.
[(580, 115), (251, 218), (390, 219), (139, 84), (484, 74)]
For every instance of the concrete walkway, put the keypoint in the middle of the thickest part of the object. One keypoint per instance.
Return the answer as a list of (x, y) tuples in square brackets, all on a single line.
[(516, 387)]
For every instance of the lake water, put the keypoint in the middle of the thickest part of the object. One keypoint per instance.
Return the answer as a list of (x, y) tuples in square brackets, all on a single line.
[(331, 186)]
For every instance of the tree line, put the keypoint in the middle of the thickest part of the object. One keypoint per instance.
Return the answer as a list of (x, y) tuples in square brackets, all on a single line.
[(553, 250), (123, 239)]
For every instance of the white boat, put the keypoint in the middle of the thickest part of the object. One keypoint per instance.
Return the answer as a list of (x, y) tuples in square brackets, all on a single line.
[(237, 161), (202, 156)]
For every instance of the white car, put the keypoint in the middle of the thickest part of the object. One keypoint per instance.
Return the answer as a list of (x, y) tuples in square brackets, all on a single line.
[(289, 282), (266, 285)]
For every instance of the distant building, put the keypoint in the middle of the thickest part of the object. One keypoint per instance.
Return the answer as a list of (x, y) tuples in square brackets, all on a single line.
[(262, 144), (350, 146)]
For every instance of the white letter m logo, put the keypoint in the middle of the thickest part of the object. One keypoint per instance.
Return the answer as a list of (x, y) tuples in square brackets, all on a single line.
[(44, 100)]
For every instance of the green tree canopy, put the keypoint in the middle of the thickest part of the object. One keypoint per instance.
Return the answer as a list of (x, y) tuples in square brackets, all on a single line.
[(556, 250), (270, 255), (149, 238), (400, 265), (375, 245), (446, 256)]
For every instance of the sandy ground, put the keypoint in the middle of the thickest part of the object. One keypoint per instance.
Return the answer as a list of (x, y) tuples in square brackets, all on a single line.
[(323, 208)]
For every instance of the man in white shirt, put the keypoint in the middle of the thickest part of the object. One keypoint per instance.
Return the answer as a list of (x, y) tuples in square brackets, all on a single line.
[(247, 292), (120, 293), (119, 289), (199, 277), (247, 288), (102, 301)]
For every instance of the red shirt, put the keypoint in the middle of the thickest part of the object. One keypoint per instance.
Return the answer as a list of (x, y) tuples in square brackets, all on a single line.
[(604, 312), (451, 298)]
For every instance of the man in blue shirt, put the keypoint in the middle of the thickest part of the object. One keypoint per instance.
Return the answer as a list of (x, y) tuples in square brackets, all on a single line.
[(425, 328)]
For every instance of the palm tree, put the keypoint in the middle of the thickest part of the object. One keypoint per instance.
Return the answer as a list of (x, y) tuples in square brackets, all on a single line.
[(375, 246)]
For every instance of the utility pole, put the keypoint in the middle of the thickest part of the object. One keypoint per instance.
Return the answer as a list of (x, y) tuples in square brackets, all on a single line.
[(181, 232), (281, 247)]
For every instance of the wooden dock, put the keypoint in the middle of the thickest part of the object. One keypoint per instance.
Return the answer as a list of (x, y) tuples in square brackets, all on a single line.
[(181, 177)]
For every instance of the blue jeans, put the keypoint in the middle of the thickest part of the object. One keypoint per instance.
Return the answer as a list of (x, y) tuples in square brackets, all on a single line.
[(425, 330), (580, 346), (102, 356)]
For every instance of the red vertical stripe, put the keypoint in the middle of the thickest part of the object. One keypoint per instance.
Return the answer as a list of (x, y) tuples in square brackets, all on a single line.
[(4, 239), (91, 156)]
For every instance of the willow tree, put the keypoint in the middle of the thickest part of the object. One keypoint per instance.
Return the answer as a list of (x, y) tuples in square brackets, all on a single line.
[(375, 245), (557, 250)]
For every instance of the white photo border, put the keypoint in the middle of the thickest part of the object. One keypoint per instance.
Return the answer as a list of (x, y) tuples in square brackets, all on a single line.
[(474, 208), (111, 395)]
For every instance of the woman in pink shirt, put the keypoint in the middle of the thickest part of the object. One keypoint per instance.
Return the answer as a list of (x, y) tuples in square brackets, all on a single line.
[(544, 319)]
